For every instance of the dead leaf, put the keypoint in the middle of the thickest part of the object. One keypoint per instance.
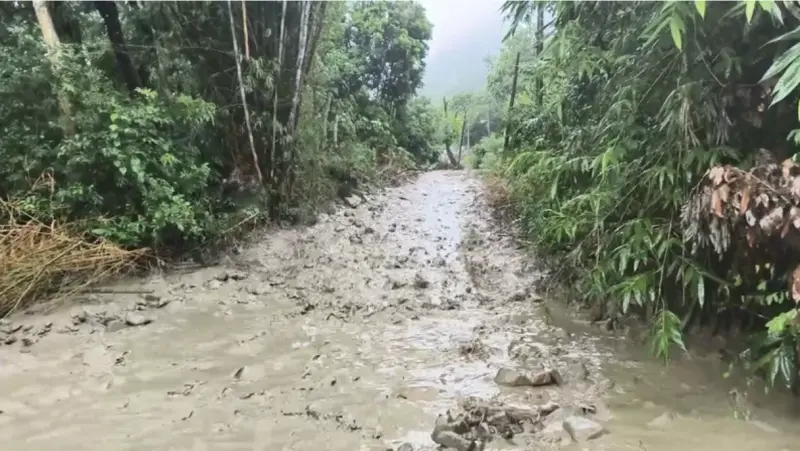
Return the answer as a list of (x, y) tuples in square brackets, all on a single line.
[(745, 200), (751, 237), (794, 285), (716, 174), (716, 203), (794, 215), (786, 167), (795, 187)]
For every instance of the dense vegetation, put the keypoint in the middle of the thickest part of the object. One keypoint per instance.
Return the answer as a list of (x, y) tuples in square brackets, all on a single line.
[(154, 121), (171, 124), (650, 156)]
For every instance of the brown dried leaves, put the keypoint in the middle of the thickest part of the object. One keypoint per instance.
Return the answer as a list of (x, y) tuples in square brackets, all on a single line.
[(769, 203)]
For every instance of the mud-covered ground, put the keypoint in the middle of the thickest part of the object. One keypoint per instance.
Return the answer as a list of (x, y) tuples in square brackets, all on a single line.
[(405, 323)]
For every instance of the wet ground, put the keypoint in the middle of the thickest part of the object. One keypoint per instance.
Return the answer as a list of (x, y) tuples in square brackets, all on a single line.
[(364, 332)]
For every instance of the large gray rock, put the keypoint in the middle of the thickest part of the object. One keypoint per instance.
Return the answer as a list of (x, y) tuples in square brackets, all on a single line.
[(582, 429), (512, 378)]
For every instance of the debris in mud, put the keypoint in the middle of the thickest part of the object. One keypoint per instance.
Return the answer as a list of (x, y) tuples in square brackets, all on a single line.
[(512, 378), (479, 422), (526, 352), (420, 281), (474, 348), (343, 420), (231, 275)]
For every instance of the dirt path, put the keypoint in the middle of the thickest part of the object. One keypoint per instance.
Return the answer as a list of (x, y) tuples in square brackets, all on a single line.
[(356, 334)]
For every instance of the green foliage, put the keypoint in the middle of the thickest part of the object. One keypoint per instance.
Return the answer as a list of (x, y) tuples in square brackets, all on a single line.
[(145, 139), (639, 100)]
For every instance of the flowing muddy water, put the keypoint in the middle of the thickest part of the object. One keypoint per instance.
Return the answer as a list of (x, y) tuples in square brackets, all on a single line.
[(356, 334)]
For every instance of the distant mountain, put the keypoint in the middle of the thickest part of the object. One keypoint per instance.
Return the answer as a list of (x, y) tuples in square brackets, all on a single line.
[(464, 34)]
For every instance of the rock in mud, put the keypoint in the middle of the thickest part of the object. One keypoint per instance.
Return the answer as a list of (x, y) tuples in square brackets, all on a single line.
[(512, 378), (135, 319), (115, 326), (450, 439), (405, 447), (582, 429)]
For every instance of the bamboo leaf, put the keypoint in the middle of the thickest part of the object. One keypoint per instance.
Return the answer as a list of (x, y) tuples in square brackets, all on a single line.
[(676, 28), (701, 7)]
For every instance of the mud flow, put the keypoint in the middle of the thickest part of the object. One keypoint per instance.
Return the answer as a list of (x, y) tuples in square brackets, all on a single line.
[(405, 323)]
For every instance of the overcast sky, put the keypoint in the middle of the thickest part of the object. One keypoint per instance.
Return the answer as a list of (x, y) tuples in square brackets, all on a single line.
[(465, 32), (454, 21)]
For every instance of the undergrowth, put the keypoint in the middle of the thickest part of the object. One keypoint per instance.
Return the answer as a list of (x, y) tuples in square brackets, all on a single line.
[(638, 101)]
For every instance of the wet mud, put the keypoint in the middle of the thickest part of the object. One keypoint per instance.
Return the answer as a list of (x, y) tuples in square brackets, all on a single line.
[(408, 322)]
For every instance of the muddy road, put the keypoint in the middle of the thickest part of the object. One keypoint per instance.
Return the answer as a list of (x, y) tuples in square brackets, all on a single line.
[(406, 321)]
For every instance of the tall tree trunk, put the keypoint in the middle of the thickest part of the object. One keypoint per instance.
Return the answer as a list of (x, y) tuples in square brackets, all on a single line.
[(298, 78), (244, 28), (447, 142), (539, 50), (325, 121), (511, 105), (297, 96), (273, 159), (461, 138), (53, 44), (237, 56), (336, 130), (110, 14)]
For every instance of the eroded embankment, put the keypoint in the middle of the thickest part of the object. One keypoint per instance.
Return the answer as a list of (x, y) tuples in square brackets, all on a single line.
[(356, 333)]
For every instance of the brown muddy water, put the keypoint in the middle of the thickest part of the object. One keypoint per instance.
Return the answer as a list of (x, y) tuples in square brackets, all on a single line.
[(356, 334)]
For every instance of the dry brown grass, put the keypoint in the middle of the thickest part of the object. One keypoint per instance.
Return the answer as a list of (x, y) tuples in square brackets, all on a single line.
[(41, 261), (497, 196)]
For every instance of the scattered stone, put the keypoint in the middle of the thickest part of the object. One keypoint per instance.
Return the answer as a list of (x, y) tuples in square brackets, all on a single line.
[(134, 319), (439, 261), (369, 230), (405, 447), (214, 284), (582, 429), (356, 239), (352, 201)]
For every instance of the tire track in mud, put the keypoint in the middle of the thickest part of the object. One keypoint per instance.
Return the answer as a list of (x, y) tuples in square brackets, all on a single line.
[(361, 332)]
